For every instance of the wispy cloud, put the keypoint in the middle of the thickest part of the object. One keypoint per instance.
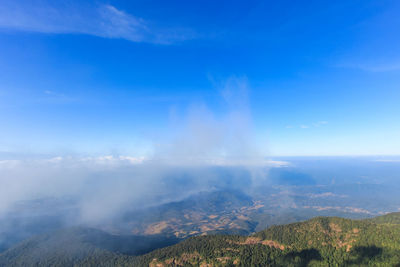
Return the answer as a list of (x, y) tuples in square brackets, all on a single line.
[(376, 67), (387, 160), (307, 126), (52, 93), (105, 21), (53, 97), (319, 123)]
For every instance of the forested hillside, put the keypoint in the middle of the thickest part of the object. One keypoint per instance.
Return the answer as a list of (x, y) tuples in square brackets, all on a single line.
[(321, 241)]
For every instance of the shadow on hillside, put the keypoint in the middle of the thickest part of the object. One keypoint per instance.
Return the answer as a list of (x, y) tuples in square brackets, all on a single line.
[(131, 245), (363, 254), (303, 258)]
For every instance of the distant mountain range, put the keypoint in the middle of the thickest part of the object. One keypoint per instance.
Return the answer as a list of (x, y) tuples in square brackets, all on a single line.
[(321, 241)]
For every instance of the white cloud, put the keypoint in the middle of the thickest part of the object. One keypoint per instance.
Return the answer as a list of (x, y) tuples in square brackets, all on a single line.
[(105, 185), (104, 21), (98, 161), (277, 163), (10, 163)]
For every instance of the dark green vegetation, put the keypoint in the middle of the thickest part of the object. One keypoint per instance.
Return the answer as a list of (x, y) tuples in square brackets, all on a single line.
[(322, 241), (80, 246), (391, 218)]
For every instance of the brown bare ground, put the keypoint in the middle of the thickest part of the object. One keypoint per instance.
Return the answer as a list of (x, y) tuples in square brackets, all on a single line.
[(156, 228), (257, 240), (223, 259), (335, 227)]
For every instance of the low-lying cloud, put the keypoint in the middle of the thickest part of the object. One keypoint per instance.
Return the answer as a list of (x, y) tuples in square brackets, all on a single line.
[(204, 150)]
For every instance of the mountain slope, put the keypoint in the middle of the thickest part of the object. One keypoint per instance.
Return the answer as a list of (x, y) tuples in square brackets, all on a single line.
[(80, 246), (321, 241), (205, 212)]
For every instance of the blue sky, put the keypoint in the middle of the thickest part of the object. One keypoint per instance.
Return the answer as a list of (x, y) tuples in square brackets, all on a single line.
[(101, 77)]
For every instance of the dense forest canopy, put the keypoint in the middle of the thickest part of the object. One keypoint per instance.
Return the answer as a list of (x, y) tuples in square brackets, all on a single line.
[(321, 241)]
